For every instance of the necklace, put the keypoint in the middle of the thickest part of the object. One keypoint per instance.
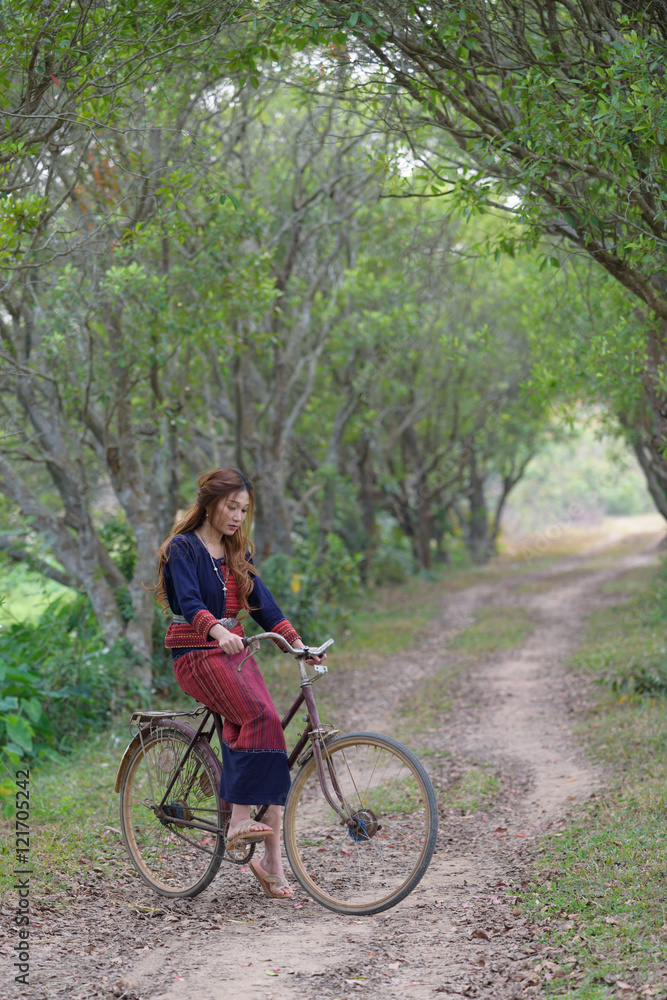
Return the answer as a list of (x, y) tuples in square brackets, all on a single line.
[(223, 580)]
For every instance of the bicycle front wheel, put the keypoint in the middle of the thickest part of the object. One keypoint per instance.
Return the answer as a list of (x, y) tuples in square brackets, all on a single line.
[(385, 792), (173, 859)]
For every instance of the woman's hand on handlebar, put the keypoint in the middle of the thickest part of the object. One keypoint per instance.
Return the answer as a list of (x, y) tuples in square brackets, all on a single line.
[(229, 642), (312, 660)]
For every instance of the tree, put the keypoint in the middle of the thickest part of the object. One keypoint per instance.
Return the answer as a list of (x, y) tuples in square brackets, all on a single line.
[(219, 279), (183, 329), (436, 346), (73, 76), (460, 425), (309, 173), (560, 103), (97, 343)]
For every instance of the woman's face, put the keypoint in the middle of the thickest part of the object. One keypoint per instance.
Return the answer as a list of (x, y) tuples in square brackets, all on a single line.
[(230, 513)]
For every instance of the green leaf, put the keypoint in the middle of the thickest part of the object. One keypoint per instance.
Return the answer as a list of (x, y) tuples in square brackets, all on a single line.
[(13, 751), (33, 709), (19, 732)]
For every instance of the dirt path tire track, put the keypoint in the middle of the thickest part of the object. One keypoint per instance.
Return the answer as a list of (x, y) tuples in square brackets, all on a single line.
[(458, 934)]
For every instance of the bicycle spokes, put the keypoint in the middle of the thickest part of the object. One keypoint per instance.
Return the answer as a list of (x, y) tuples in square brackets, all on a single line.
[(172, 856), (378, 853)]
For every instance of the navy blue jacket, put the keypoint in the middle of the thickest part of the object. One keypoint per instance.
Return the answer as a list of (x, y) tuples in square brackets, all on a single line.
[(195, 592)]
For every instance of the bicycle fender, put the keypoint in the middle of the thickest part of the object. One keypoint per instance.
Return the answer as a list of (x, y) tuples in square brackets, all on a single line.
[(166, 723)]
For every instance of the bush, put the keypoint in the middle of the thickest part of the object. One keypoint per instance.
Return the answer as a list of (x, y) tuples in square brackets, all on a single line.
[(164, 682), (120, 543), (59, 679), (643, 675), (393, 560), (315, 594)]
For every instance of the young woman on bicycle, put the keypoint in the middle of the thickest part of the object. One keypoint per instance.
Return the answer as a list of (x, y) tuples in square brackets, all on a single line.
[(208, 582)]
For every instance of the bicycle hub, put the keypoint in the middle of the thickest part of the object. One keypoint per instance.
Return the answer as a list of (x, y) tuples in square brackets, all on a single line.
[(175, 811), (363, 825)]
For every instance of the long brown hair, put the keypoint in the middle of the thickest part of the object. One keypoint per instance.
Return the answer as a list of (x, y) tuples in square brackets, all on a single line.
[(216, 485)]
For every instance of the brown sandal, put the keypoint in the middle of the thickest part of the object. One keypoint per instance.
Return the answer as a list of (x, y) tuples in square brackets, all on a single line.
[(270, 882), (244, 834)]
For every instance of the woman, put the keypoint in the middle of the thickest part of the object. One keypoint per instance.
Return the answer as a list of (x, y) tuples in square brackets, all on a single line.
[(208, 582)]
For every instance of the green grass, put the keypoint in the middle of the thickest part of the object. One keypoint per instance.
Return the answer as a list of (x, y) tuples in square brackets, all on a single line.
[(615, 535), (73, 818), (384, 630), (630, 584), (541, 585), (600, 890), (393, 616), (395, 797), (428, 701), (74, 809), (475, 790), (494, 630)]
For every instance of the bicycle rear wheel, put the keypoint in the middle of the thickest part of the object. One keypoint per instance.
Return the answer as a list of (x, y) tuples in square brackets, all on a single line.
[(389, 797), (169, 856)]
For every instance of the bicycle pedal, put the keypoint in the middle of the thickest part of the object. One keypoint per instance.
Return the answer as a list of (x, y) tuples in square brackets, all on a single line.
[(325, 737)]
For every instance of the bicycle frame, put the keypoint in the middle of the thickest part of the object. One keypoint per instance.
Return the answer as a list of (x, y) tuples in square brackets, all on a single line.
[(313, 733), (346, 788)]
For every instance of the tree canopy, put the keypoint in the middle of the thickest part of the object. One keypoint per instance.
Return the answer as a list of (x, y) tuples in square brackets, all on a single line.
[(550, 114), (255, 235)]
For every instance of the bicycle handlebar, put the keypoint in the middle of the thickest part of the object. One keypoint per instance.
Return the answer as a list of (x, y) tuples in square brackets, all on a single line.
[(300, 654), (252, 643)]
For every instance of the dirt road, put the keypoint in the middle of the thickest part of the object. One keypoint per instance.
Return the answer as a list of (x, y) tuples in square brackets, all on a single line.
[(462, 932)]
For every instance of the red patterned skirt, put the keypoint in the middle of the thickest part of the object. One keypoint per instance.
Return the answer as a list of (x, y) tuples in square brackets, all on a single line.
[(254, 757)]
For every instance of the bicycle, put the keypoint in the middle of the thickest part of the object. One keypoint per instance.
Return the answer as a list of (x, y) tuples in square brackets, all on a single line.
[(360, 821)]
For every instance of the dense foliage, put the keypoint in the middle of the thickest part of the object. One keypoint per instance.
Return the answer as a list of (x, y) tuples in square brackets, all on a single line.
[(552, 115), (258, 235), (58, 679), (335, 344)]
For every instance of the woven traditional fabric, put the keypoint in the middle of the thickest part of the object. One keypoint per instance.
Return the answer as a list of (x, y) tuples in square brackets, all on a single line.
[(254, 757), (194, 591)]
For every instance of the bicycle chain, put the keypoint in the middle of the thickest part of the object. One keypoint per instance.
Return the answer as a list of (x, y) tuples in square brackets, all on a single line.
[(225, 856)]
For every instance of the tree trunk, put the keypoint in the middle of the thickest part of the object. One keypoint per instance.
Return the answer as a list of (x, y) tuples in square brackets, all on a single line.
[(440, 533), (477, 528), (272, 517), (424, 535), (330, 469), (129, 481), (649, 436), (509, 481), (652, 464), (367, 498)]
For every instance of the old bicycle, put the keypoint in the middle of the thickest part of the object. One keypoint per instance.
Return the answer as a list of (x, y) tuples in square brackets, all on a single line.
[(360, 821)]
